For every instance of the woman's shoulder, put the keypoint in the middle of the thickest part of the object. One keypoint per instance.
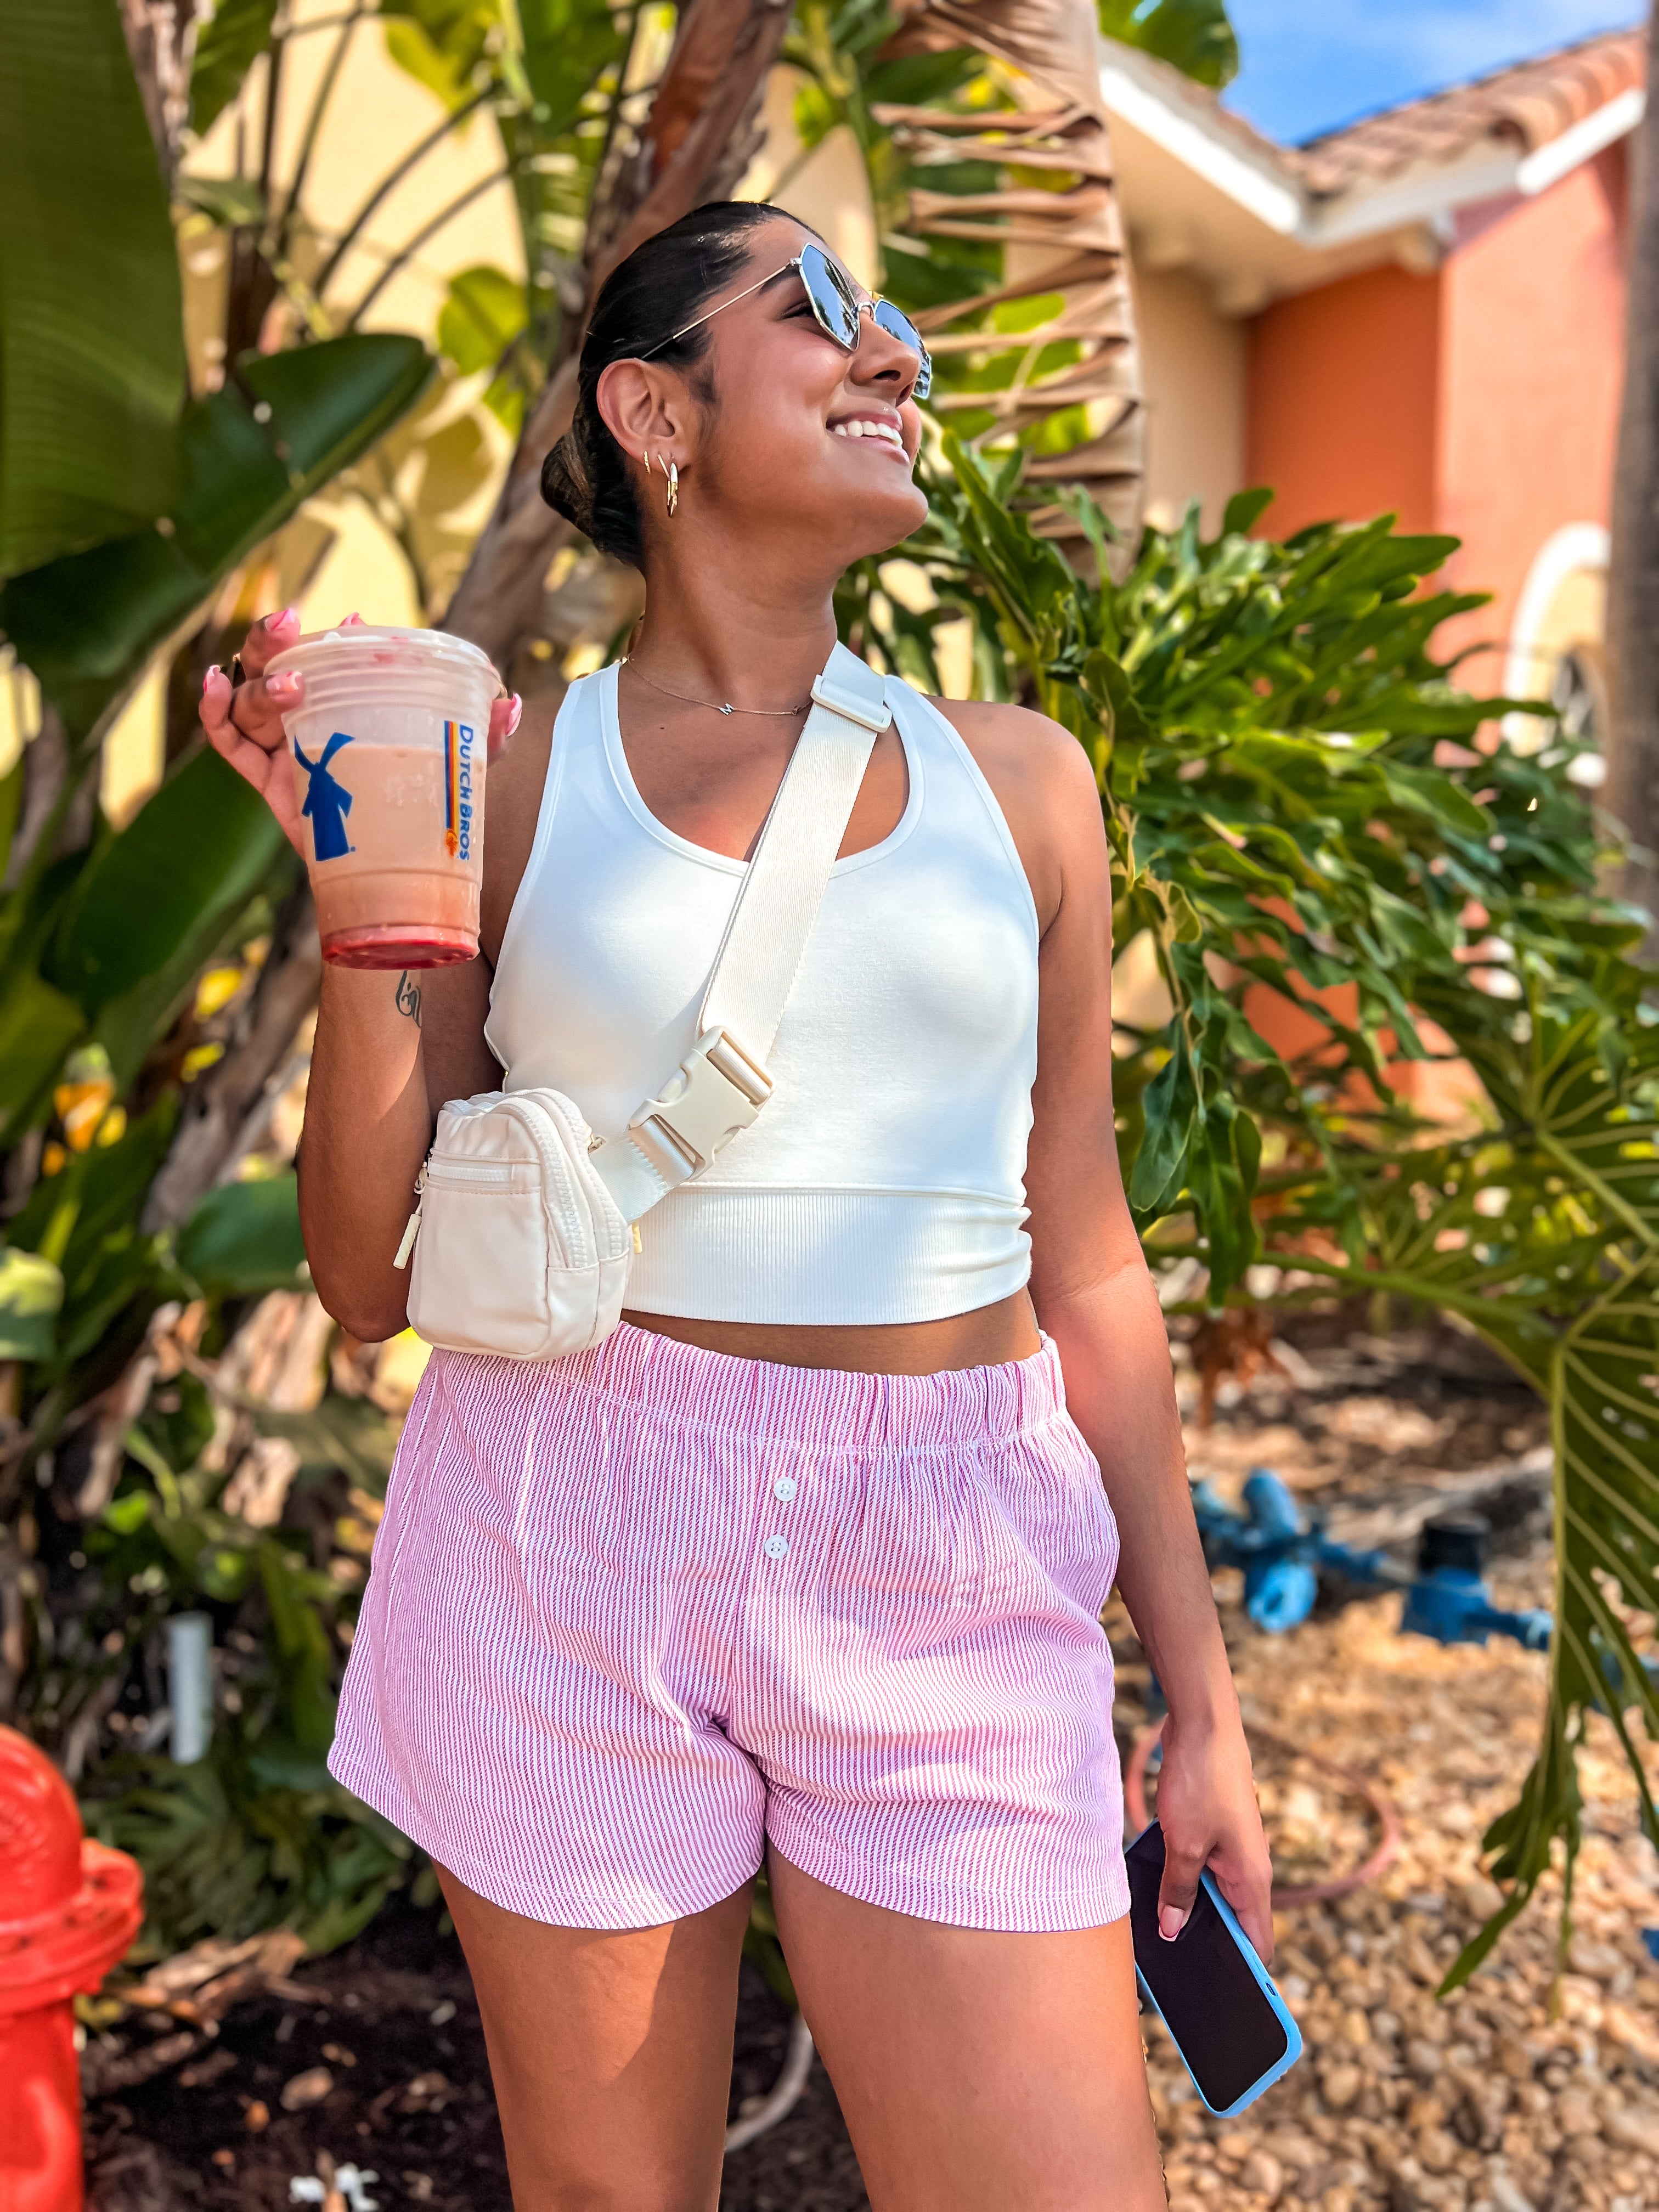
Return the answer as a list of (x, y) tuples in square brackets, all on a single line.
[(1031, 753), (1041, 778)]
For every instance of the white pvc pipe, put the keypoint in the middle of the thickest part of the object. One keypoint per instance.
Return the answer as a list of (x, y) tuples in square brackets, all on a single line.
[(190, 1685), (785, 2091)]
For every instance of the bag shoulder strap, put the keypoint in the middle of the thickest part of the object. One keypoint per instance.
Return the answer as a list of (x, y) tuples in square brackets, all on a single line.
[(721, 1085)]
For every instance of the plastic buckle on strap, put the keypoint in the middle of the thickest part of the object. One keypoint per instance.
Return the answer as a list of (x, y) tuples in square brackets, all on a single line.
[(870, 711), (718, 1089)]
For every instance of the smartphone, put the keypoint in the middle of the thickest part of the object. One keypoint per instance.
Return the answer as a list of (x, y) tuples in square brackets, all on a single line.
[(1234, 2032)]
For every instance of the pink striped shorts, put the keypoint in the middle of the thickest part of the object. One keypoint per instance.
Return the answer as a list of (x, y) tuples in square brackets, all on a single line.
[(635, 1613)]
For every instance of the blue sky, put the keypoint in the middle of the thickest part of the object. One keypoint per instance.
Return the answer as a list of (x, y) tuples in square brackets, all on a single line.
[(1310, 64)]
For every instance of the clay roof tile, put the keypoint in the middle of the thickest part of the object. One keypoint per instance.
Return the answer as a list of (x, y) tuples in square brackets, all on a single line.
[(1527, 104)]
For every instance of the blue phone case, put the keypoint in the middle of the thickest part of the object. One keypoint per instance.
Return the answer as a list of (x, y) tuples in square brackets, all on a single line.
[(1265, 1982)]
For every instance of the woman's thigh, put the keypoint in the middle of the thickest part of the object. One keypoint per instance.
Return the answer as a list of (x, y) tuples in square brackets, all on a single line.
[(611, 2052), (978, 2073)]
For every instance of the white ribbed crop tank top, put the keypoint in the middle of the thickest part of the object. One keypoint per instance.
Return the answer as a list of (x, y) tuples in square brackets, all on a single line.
[(884, 1179)]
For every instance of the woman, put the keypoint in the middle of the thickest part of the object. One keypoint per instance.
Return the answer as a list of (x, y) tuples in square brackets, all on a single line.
[(806, 1560)]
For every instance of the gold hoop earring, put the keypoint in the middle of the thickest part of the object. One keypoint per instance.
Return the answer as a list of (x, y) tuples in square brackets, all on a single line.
[(672, 472)]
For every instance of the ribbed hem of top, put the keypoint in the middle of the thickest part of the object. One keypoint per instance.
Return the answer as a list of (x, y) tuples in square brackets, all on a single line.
[(826, 1409), (827, 1258)]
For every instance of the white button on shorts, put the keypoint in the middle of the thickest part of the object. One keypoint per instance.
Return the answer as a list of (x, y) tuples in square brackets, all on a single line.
[(784, 1487), (775, 1546)]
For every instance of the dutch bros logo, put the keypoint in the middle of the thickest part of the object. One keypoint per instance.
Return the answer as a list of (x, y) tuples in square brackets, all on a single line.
[(328, 801), (458, 790)]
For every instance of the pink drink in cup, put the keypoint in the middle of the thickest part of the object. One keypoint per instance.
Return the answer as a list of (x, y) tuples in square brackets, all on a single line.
[(389, 746)]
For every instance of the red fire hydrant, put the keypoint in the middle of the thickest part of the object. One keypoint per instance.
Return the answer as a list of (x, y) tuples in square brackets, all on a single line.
[(69, 1908)]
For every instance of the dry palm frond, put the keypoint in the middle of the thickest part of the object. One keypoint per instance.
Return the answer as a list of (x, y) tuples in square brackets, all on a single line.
[(1067, 240)]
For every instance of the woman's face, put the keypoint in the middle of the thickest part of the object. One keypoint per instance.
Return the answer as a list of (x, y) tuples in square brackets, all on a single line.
[(800, 444)]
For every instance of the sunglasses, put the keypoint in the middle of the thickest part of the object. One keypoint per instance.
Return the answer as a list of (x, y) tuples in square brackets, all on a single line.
[(838, 309)]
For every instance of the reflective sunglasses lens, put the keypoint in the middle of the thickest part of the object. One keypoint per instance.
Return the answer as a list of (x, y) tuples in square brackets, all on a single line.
[(837, 314), (900, 326)]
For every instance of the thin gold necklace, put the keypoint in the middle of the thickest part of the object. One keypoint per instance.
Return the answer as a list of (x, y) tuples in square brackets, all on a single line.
[(713, 706)]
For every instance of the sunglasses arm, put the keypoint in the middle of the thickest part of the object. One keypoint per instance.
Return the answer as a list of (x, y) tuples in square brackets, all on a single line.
[(698, 321)]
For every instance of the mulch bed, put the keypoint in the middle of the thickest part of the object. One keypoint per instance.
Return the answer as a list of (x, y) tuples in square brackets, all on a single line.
[(385, 2063)]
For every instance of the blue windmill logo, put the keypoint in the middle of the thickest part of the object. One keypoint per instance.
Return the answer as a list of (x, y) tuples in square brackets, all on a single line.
[(328, 801)]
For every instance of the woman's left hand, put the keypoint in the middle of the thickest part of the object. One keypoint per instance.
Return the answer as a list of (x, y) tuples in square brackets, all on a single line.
[(1207, 1810)]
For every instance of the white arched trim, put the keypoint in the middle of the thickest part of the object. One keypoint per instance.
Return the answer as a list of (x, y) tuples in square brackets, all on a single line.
[(1576, 546), (1565, 552)]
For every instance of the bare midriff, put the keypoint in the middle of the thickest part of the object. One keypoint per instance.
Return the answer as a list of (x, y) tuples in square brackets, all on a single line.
[(989, 1337)]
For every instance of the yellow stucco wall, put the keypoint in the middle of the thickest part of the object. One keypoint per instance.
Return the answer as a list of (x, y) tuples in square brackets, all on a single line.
[(1193, 369)]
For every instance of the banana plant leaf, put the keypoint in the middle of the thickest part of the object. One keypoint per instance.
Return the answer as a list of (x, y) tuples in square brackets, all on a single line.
[(91, 351), (284, 424), (1194, 35), (31, 1295), (38, 1026), (151, 903), (245, 1237), (227, 47)]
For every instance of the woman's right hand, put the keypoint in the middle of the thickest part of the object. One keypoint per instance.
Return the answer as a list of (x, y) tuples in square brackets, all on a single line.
[(245, 724)]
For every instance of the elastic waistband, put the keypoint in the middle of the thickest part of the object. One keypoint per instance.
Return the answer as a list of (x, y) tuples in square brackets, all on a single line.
[(826, 1409)]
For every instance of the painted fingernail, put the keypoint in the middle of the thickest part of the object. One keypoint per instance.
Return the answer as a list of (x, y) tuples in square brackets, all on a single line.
[(1170, 1922), (211, 673), (283, 621), (353, 618), (278, 686), (517, 705)]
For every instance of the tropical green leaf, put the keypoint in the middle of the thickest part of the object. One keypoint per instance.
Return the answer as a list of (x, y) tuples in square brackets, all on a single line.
[(88, 626), (1194, 35), (92, 354), (11, 806), (245, 1237), (485, 311), (38, 1025), (107, 1187), (227, 47), (443, 43), (31, 1296), (567, 43), (152, 904), (231, 201)]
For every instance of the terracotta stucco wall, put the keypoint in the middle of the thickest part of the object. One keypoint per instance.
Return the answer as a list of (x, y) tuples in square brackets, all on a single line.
[(1343, 394), (1531, 367)]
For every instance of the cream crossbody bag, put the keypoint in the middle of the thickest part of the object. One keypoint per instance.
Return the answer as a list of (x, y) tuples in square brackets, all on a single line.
[(523, 1229)]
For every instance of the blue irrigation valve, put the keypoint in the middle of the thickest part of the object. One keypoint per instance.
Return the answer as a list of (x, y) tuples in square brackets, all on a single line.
[(1279, 1594), (1284, 1553), (1449, 1601)]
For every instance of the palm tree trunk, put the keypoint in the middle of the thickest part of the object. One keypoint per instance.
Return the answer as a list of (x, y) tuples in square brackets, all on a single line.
[(161, 37), (698, 141), (1631, 793)]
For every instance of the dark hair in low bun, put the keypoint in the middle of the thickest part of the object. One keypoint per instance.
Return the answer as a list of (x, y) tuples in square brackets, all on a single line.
[(664, 282)]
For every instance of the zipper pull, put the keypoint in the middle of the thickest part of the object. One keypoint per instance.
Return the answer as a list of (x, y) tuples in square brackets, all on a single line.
[(413, 1231)]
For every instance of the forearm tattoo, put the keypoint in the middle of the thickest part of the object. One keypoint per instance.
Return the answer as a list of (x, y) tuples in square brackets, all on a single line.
[(408, 998)]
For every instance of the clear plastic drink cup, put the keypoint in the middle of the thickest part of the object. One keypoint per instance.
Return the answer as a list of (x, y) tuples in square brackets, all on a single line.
[(389, 746)]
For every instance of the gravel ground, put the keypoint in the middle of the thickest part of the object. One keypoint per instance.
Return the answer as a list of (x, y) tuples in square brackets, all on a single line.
[(1522, 2090), (1536, 2089)]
